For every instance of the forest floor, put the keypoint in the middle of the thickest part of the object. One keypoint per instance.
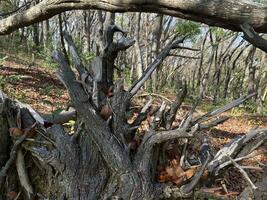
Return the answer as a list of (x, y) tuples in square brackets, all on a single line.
[(40, 88)]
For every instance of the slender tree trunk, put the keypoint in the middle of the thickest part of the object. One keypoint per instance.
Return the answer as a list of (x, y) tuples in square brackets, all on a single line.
[(251, 70), (138, 56), (46, 35), (156, 36), (63, 47), (36, 34), (199, 74)]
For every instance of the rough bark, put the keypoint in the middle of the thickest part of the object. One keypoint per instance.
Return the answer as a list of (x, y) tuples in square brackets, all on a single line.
[(155, 47), (97, 161), (228, 14)]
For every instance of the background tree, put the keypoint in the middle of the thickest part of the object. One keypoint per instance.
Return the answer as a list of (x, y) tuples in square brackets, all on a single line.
[(108, 155)]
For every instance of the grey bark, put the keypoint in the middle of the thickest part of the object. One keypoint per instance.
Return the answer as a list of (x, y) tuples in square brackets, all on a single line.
[(156, 40), (209, 12)]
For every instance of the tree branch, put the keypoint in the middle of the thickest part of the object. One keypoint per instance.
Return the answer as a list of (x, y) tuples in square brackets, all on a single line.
[(156, 63), (187, 188), (223, 109), (242, 171), (143, 158), (61, 117), (213, 123), (113, 152), (75, 55), (183, 56), (244, 144), (12, 158), (251, 36), (176, 104), (142, 114), (23, 175), (209, 12)]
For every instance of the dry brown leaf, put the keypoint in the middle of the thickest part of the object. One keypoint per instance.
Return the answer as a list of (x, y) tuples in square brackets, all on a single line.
[(105, 112), (174, 173), (232, 193), (170, 172), (163, 177), (12, 194), (179, 181), (191, 172), (205, 175), (16, 131)]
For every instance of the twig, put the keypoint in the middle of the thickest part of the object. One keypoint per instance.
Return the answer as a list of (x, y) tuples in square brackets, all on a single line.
[(252, 167), (143, 114), (13, 155), (183, 56), (23, 174), (184, 154), (156, 63), (159, 116), (187, 48), (224, 108), (242, 171), (224, 186), (254, 38), (156, 95), (17, 195), (187, 188), (236, 160)]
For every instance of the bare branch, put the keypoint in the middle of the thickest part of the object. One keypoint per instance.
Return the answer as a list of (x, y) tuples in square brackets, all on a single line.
[(213, 123), (23, 175), (143, 159), (243, 172), (13, 155), (223, 165), (155, 95), (183, 56), (251, 36), (61, 117), (244, 144), (187, 48), (74, 54), (187, 188), (156, 63), (212, 13), (223, 109), (170, 115), (143, 114), (164, 136)]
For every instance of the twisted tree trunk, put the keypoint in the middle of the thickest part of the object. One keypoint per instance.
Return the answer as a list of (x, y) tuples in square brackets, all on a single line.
[(99, 161)]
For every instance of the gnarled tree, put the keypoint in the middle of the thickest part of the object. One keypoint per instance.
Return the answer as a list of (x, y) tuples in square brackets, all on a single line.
[(99, 161)]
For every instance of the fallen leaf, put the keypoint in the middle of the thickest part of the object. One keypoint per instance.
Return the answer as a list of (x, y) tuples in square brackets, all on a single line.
[(12, 194), (191, 172), (15, 131), (105, 112)]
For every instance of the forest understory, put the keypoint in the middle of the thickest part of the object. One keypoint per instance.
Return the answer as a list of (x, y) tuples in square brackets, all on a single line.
[(52, 97)]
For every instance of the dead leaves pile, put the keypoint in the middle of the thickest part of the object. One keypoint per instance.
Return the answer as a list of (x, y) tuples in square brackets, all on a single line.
[(175, 174)]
